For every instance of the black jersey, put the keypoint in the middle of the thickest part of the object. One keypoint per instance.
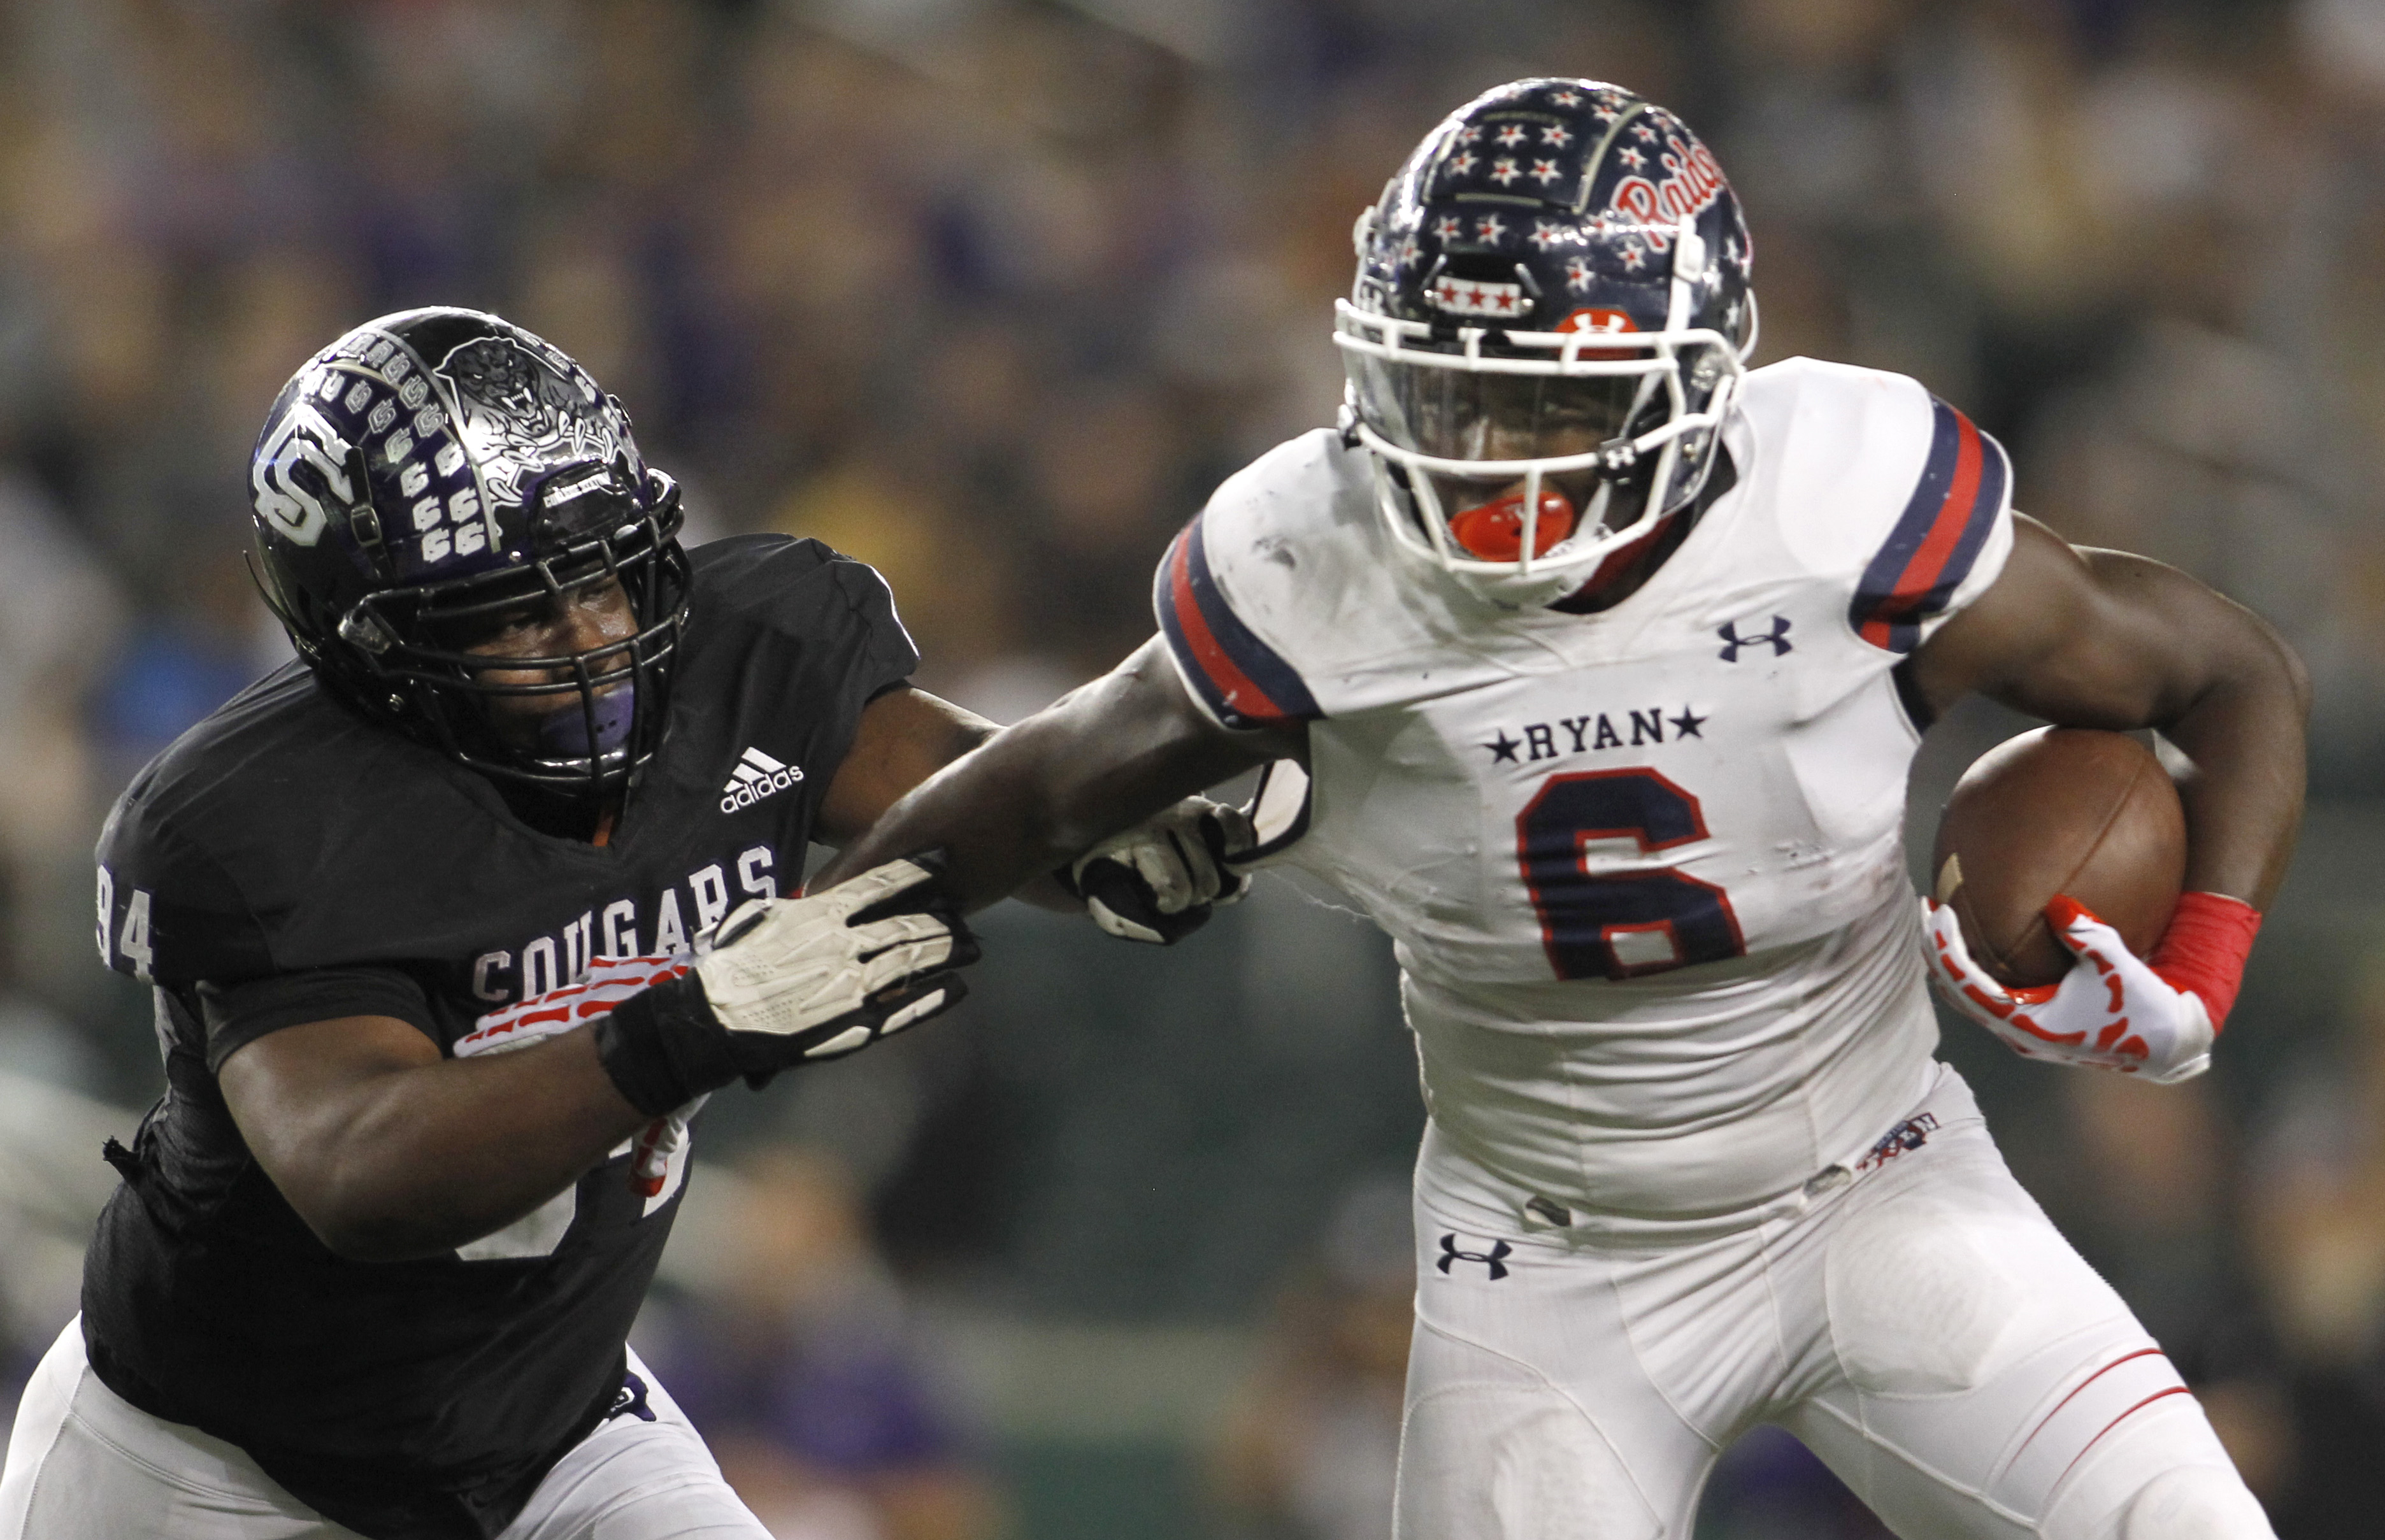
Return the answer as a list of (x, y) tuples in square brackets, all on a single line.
[(288, 862)]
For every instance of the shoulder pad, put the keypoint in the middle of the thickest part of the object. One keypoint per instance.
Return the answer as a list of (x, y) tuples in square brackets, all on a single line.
[(167, 913), (1885, 486), (1233, 627), (800, 587)]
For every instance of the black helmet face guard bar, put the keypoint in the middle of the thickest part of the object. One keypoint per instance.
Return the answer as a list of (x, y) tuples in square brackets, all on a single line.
[(590, 752)]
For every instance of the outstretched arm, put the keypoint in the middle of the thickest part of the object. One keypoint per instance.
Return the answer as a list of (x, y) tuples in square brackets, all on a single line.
[(906, 736), (2101, 639), (1039, 793)]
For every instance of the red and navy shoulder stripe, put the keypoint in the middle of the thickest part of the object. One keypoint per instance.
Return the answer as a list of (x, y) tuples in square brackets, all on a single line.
[(1936, 538), (1245, 682)]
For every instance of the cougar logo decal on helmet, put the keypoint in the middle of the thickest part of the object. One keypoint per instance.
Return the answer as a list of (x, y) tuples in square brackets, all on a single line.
[(520, 412)]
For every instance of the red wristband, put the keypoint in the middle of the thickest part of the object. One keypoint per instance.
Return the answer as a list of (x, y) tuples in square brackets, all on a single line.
[(2205, 947)]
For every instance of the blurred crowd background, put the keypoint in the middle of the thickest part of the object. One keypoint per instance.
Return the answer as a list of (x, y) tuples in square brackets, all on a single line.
[(991, 293)]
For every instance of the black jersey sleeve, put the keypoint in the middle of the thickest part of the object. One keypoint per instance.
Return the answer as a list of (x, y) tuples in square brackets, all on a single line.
[(237, 1014), (167, 912), (810, 639), (890, 656), (806, 590)]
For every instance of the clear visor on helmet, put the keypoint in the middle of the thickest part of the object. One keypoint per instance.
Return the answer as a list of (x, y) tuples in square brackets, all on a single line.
[(1455, 414), (1507, 423)]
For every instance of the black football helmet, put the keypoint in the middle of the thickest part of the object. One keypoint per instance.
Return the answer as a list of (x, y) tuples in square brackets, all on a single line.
[(1553, 292), (437, 468)]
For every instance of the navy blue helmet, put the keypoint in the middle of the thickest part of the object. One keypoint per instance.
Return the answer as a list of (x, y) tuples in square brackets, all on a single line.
[(433, 470), (1550, 321)]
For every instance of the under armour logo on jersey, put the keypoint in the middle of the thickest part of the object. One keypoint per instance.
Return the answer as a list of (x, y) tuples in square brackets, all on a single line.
[(757, 776), (631, 1400), (1494, 1258), (1777, 638)]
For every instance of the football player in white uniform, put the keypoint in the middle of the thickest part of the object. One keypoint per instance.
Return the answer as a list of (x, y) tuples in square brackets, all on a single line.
[(1605, 658)]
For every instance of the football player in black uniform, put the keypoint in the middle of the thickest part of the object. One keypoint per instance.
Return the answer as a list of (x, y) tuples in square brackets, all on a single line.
[(453, 923)]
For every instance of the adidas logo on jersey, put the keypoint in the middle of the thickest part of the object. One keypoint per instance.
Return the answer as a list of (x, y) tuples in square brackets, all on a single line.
[(757, 776)]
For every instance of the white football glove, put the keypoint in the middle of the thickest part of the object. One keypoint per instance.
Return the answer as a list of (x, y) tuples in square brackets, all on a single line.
[(2111, 1011), (1159, 880), (807, 978), (786, 981)]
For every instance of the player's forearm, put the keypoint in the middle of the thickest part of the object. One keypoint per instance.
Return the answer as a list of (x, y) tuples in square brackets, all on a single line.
[(1005, 815), (415, 1161), (1040, 793), (2101, 639), (2243, 796), (907, 736)]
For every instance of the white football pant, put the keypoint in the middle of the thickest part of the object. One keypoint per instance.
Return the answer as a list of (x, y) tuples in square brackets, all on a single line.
[(85, 1464), (1915, 1320)]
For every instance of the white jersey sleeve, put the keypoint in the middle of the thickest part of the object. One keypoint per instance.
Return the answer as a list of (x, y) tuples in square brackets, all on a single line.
[(1286, 601), (1881, 487), (1243, 589)]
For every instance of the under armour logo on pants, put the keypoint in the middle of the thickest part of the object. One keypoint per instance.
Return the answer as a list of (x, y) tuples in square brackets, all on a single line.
[(1493, 1259)]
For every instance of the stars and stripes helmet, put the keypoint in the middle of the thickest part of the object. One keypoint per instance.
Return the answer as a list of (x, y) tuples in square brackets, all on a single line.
[(1548, 327), (430, 473)]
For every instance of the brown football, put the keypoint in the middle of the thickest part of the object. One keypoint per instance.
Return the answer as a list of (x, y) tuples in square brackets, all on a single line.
[(2061, 810)]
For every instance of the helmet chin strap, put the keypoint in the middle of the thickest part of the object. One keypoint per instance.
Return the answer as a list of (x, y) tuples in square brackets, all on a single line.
[(1595, 514), (588, 727), (1617, 562)]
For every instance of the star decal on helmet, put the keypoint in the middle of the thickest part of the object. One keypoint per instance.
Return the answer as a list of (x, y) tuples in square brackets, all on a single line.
[(1579, 274), (1548, 232), (1449, 227), (1566, 98), (1556, 134), (1631, 157), (1461, 163), (1642, 132), (1545, 171), (1513, 135), (1502, 170), (1462, 298), (1634, 255), (1488, 230)]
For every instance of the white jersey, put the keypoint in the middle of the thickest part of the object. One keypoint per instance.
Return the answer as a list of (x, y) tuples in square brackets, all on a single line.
[(1643, 868)]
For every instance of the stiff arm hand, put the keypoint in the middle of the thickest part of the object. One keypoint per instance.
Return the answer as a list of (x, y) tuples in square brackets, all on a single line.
[(1160, 880)]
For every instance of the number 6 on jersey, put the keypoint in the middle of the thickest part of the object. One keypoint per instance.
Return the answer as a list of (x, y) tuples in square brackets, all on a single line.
[(1619, 924)]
